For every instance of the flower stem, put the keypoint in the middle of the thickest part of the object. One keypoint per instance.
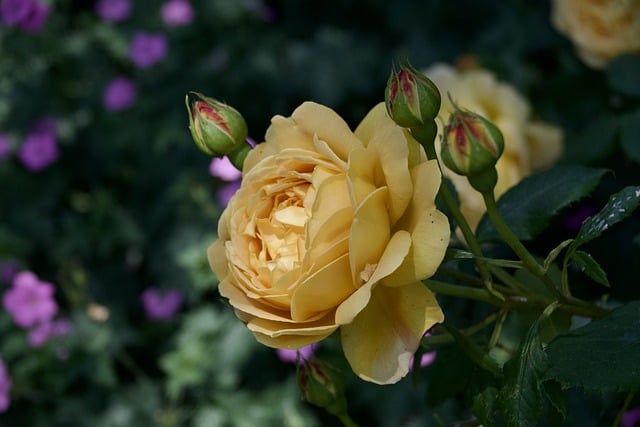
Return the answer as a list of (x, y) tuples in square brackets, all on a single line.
[(463, 291), (347, 421), (469, 237), (514, 243)]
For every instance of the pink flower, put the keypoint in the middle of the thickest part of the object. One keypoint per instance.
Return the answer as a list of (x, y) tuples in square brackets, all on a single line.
[(222, 168), (294, 356), (177, 12), (161, 305), (147, 49), (119, 94), (40, 148), (15, 11), (30, 301), (113, 10), (43, 332), (35, 19), (5, 387), (630, 418)]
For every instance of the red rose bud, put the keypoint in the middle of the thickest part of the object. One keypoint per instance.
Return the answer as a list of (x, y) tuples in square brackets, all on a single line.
[(216, 128), (471, 143), (411, 98), (321, 385)]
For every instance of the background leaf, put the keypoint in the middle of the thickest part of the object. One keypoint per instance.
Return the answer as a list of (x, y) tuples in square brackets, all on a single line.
[(623, 73), (630, 135), (522, 397), (590, 267), (619, 207), (601, 355), (528, 207)]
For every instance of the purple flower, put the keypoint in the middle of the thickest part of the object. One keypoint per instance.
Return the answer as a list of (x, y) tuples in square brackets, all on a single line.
[(5, 387), (15, 11), (113, 10), (629, 419), (147, 49), (30, 301), (177, 12), (161, 305), (8, 270), (119, 94), (293, 356), (576, 215), (227, 191), (5, 146), (222, 168), (35, 19), (43, 332), (38, 150)]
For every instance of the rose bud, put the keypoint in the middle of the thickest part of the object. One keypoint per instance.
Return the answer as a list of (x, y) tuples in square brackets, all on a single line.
[(321, 385), (411, 98), (217, 128), (471, 143)]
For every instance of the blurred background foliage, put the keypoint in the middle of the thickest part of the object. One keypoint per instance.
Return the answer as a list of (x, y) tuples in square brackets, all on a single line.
[(130, 204)]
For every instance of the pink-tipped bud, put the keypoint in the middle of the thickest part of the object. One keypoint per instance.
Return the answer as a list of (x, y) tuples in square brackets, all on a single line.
[(216, 128), (321, 385), (411, 98), (471, 143)]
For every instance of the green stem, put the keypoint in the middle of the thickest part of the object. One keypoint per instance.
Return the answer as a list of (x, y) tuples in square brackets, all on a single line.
[(446, 338), (469, 237), (514, 243), (463, 291), (347, 421)]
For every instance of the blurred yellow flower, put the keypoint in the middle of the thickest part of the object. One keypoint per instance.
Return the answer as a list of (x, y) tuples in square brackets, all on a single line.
[(335, 229), (600, 29), (528, 145)]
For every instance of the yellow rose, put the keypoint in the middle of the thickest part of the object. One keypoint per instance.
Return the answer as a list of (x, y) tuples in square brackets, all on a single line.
[(335, 229), (528, 145), (600, 29)]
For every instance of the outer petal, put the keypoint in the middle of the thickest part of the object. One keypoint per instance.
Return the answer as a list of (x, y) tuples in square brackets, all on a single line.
[(380, 341), (291, 335), (429, 228), (316, 119), (390, 260)]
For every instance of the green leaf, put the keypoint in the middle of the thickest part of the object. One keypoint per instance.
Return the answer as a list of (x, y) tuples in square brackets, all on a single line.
[(555, 252), (522, 397), (590, 267), (602, 355), (484, 405), (619, 206), (630, 135), (623, 73), (596, 141), (528, 207)]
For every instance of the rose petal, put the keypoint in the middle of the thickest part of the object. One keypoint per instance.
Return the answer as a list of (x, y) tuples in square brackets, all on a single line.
[(370, 231), (291, 335), (381, 340), (323, 290), (392, 151), (429, 228), (330, 127), (361, 175), (391, 259)]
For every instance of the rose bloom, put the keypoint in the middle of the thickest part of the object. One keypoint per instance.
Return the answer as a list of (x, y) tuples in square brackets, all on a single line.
[(528, 145), (601, 30), (335, 229)]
